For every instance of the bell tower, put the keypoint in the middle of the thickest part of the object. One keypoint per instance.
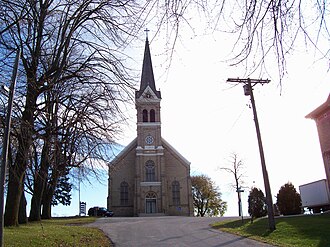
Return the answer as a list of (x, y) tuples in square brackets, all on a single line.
[(147, 101), (150, 167)]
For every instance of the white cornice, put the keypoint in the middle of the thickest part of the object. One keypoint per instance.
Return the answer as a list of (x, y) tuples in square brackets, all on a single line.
[(150, 183), (150, 147), (146, 124), (147, 100), (149, 154)]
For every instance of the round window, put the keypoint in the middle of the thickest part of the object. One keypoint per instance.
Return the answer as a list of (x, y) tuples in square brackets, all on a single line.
[(149, 139)]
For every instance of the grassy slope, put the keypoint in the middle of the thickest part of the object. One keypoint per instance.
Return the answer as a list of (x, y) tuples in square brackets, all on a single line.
[(307, 230), (56, 232)]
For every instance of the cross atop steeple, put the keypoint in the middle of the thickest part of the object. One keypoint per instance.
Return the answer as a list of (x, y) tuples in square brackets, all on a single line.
[(147, 30)]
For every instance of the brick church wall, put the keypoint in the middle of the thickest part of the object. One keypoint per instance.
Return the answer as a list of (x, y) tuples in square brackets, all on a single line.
[(176, 170), (123, 171)]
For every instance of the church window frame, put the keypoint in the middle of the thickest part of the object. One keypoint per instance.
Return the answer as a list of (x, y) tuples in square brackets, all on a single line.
[(150, 169), (123, 193), (145, 115), (151, 202), (152, 116), (176, 193), (151, 195)]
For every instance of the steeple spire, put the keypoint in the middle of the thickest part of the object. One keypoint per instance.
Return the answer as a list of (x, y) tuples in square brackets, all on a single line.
[(147, 77)]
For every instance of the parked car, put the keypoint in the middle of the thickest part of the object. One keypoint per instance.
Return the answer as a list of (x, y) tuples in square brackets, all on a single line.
[(100, 211)]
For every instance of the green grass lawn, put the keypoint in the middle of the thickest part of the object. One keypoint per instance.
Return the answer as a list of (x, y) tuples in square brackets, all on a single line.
[(56, 232), (302, 231)]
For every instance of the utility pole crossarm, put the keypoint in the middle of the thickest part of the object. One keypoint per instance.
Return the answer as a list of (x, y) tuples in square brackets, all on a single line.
[(248, 80)]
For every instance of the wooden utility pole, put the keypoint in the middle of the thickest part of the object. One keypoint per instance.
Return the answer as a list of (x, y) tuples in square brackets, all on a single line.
[(248, 90)]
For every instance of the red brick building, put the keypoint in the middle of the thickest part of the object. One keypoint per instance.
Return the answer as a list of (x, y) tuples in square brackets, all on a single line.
[(321, 115)]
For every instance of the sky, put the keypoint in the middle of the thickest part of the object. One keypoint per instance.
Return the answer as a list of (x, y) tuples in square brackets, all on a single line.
[(207, 119)]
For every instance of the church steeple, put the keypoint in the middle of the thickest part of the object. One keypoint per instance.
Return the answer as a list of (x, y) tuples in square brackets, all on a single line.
[(147, 103), (147, 77)]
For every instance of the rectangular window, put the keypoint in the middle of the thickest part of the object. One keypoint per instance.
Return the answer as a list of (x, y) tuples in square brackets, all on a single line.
[(176, 193), (123, 194)]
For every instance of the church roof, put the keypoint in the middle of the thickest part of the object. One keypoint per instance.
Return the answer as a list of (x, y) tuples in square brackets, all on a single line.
[(147, 77), (123, 153), (133, 145), (320, 110), (175, 152)]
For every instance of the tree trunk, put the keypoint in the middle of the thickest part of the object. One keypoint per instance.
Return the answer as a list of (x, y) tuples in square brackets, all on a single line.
[(15, 188), (22, 217), (35, 209), (39, 184), (47, 203), (46, 210), (17, 171), (50, 186)]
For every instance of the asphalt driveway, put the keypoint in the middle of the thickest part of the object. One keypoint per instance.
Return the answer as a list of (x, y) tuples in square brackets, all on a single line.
[(169, 231)]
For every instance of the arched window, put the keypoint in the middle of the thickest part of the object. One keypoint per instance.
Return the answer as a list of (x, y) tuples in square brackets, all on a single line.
[(145, 115), (151, 195), (176, 193), (123, 193), (150, 171), (152, 116)]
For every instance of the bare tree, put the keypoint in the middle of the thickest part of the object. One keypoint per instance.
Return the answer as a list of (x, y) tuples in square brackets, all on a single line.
[(48, 33), (236, 168), (261, 31), (267, 31), (77, 125)]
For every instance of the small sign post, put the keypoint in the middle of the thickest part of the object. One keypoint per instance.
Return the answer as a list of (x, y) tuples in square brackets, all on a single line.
[(82, 208)]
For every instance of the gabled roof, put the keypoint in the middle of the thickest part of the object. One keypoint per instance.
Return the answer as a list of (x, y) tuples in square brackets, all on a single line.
[(133, 144), (175, 152), (123, 153), (320, 110), (147, 77)]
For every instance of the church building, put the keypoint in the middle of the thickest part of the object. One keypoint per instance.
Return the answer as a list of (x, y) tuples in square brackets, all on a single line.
[(149, 176)]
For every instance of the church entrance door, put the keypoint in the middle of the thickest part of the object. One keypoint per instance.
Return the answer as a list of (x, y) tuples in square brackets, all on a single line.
[(151, 206), (151, 203)]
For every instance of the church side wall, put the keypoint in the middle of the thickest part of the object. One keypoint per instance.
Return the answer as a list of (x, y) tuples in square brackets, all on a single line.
[(123, 171), (176, 170), (323, 128)]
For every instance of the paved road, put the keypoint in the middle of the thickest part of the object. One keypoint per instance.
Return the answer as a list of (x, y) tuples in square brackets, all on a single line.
[(169, 231)]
